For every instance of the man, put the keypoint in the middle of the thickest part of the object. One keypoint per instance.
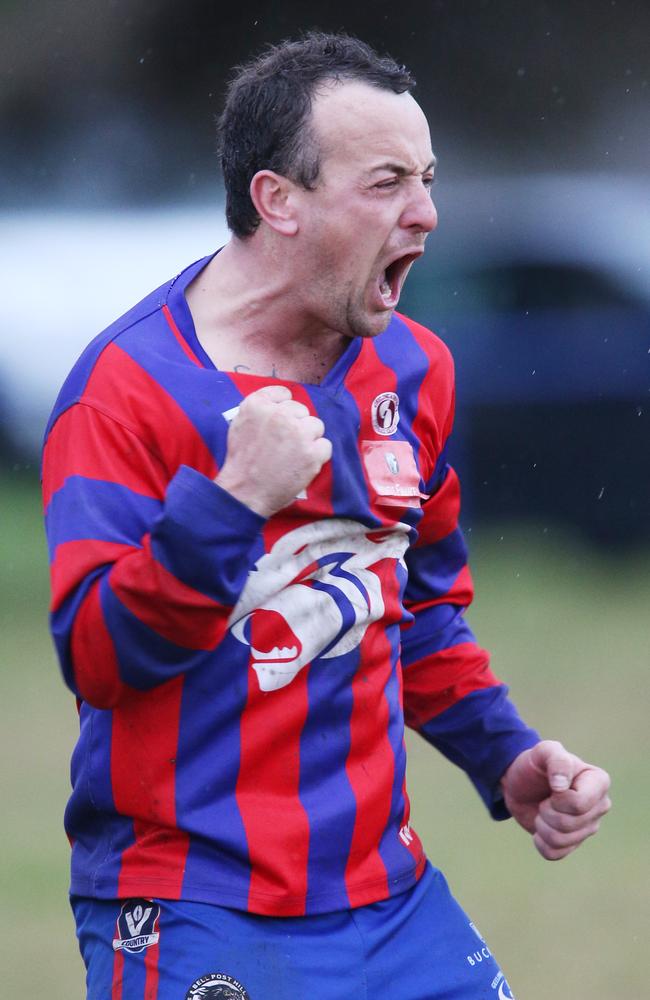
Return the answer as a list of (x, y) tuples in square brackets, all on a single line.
[(258, 576)]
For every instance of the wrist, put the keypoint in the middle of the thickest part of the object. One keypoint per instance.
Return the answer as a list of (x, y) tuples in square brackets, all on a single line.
[(242, 491)]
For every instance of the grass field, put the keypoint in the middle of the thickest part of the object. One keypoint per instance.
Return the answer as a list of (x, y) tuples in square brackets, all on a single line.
[(568, 629)]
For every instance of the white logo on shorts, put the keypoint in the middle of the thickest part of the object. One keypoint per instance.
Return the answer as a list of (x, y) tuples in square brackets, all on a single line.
[(216, 986)]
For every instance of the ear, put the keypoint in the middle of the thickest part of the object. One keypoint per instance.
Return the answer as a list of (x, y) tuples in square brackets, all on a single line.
[(271, 194)]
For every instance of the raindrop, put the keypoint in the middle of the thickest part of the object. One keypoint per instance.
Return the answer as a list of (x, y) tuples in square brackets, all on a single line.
[(521, 72), (601, 493), (639, 411)]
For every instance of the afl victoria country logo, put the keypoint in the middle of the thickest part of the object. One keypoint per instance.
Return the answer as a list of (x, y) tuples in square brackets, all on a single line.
[(385, 413), (313, 595), (137, 926)]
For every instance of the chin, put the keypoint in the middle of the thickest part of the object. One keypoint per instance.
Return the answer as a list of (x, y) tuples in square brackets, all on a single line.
[(369, 325)]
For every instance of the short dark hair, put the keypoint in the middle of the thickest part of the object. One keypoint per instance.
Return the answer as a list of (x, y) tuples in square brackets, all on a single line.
[(265, 122)]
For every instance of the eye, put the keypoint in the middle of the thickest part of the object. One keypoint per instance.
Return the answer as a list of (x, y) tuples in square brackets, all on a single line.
[(428, 180), (387, 184)]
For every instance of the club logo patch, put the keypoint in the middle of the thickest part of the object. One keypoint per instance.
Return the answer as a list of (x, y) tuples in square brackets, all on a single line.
[(314, 595), (216, 986), (137, 926), (385, 413)]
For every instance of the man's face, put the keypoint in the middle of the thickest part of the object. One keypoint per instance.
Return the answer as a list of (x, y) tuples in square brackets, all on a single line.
[(367, 220)]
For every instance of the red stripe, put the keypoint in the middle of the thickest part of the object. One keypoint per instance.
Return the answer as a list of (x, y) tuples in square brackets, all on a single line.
[(439, 681), (85, 442), (414, 845), (128, 393), (151, 957), (74, 560), (441, 514), (180, 338), (461, 593), (96, 669), (175, 611), (144, 747), (370, 766), (118, 976), (276, 824)]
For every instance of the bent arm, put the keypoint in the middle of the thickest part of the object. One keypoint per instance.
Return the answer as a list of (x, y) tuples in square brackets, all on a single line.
[(145, 567)]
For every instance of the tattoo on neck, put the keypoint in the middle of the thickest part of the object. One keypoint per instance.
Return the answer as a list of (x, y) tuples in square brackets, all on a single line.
[(246, 368)]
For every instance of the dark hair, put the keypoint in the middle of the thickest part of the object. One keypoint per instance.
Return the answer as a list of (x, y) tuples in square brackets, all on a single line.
[(265, 122)]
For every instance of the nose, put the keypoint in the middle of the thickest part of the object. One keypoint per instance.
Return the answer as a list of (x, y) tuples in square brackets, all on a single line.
[(420, 213)]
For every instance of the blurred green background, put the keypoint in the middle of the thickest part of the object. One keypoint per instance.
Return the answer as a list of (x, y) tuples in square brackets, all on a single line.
[(568, 629)]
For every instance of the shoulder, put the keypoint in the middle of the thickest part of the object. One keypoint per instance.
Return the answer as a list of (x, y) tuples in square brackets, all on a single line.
[(434, 348)]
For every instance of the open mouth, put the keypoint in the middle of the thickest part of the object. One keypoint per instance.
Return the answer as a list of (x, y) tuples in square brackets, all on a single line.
[(393, 276)]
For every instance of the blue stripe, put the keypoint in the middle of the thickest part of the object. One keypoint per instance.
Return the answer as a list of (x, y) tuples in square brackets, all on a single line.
[(96, 508), (100, 835), (393, 852), (206, 537), (134, 975), (61, 624), (207, 768), (144, 657), (433, 569), (325, 792), (340, 415), (203, 394), (434, 629)]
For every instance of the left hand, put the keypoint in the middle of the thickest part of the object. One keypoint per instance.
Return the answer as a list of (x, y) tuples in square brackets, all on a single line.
[(556, 796)]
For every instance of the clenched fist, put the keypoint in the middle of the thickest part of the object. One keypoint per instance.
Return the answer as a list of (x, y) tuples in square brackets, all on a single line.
[(556, 796), (275, 449)]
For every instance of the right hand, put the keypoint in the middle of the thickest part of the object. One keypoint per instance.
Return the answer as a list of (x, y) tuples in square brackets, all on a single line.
[(275, 449)]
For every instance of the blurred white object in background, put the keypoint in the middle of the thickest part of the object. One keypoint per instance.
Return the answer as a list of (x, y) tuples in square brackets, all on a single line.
[(66, 276)]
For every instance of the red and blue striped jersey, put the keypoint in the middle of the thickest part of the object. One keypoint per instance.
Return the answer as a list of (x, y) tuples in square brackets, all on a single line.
[(243, 683)]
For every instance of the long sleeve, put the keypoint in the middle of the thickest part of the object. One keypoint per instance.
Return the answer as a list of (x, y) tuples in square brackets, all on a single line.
[(451, 696), (145, 568)]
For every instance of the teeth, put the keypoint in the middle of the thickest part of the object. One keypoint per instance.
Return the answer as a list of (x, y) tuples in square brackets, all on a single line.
[(385, 289), (278, 654)]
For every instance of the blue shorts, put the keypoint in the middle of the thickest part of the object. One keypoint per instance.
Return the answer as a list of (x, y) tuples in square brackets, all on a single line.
[(419, 945)]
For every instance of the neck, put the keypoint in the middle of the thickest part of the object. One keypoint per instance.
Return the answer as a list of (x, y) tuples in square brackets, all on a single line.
[(250, 315)]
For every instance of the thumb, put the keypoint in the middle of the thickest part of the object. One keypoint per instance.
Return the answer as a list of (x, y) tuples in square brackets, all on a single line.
[(556, 763)]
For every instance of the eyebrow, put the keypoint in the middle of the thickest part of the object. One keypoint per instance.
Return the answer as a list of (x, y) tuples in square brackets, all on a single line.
[(400, 169)]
